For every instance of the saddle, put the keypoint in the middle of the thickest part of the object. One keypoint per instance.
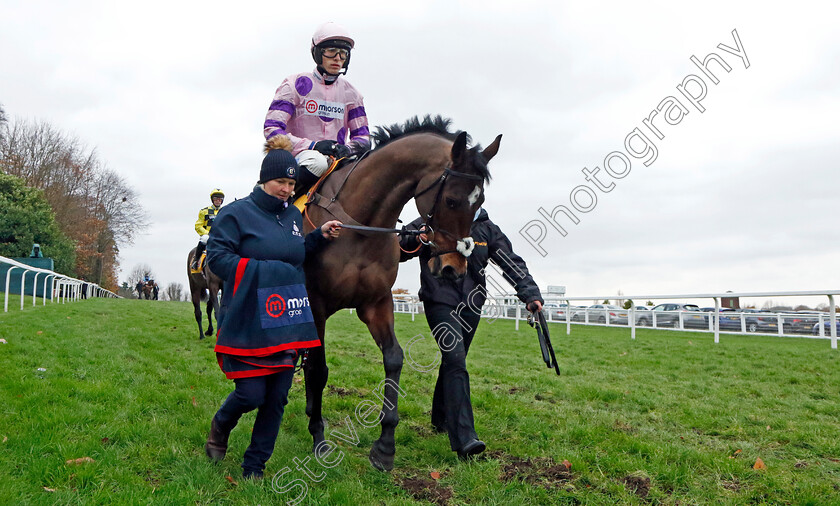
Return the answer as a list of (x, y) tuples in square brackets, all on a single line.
[(200, 264), (324, 193)]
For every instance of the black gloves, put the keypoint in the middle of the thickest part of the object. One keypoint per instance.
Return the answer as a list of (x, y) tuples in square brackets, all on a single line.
[(332, 148), (341, 151)]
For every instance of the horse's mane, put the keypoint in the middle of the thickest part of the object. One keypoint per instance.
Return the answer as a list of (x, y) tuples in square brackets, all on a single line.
[(438, 125)]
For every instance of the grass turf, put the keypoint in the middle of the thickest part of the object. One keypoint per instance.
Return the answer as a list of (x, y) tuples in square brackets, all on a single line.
[(668, 418)]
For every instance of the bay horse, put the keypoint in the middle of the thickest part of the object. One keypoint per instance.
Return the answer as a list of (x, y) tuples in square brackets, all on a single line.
[(420, 160), (147, 291), (202, 284)]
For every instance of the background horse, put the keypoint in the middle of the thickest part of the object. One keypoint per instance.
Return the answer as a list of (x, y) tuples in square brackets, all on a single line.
[(418, 160), (148, 291), (204, 284)]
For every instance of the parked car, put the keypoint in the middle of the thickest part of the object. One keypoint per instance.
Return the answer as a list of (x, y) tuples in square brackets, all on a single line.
[(730, 319), (643, 316), (826, 327), (800, 322), (598, 313), (555, 311), (668, 315)]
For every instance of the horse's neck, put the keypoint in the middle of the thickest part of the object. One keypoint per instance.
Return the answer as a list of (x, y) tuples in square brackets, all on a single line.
[(380, 189)]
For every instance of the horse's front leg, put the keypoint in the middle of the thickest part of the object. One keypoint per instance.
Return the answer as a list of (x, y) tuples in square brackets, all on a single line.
[(315, 373), (380, 322), (210, 306)]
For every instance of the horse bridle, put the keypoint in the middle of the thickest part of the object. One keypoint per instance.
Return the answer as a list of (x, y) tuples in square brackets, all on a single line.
[(464, 245)]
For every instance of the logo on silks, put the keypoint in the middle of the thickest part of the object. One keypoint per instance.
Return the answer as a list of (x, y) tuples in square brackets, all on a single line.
[(295, 230), (283, 305), (324, 109)]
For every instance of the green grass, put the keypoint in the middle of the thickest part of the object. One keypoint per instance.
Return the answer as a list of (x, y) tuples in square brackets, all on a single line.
[(128, 384)]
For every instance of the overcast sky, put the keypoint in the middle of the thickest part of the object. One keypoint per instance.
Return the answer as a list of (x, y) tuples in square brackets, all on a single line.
[(740, 197)]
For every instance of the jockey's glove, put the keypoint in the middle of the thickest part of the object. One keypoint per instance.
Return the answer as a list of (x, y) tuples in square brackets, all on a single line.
[(332, 148), (341, 151)]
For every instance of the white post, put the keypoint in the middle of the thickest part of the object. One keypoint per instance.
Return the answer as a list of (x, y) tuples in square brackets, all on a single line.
[(568, 317), (653, 318), (833, 319), (518, 315), (44, 300), (822, 326), (633, 321), (716, 320), (35, 288), (6, 293), (679, 319), (22, 285)]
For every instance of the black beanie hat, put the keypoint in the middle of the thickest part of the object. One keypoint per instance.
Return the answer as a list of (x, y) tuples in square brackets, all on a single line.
[(276, 164)]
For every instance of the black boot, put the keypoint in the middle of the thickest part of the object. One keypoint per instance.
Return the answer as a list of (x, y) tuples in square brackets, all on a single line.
[(198, 251), (217, 442)]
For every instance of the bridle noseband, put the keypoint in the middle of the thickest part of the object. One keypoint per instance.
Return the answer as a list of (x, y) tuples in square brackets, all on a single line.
[(464, 245)]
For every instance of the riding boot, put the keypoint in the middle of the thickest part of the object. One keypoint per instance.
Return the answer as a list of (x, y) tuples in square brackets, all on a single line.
[(217, 442), (304, 182), (198, 251)]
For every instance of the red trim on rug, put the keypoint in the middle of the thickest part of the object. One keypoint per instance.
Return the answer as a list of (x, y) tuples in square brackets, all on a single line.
[(263, 366), (250, 374), (240, 271), (260, 352)]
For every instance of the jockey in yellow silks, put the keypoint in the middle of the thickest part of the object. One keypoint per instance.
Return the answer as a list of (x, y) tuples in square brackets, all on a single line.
[(205, 222)]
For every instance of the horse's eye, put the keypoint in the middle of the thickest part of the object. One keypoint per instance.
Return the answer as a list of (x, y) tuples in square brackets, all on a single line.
[(451, 203)]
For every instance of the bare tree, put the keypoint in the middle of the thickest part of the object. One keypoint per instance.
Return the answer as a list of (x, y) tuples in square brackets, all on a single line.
[(93, 205), (139, 273), (174, 291)]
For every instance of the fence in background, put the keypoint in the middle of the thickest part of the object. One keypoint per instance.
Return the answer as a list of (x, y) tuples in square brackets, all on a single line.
[(562, 311), (62, 288)]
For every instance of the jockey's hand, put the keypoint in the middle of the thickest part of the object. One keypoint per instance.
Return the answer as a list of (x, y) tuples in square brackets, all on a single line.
[(326, 148), (534, 306), (331, 229), (341, 151)]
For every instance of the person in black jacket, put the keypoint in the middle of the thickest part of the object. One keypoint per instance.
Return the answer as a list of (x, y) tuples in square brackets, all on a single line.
[(257, 246), (453, 309)]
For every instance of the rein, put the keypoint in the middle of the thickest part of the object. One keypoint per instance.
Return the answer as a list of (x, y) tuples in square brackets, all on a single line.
[(464, 249)]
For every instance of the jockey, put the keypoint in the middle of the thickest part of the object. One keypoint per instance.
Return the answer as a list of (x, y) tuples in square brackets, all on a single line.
[(204, 222), (319, 112)]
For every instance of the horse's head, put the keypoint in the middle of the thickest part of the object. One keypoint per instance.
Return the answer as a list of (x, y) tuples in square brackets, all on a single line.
[(449, 205)]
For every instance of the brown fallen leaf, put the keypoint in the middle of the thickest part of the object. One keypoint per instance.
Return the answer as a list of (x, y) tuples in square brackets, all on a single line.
[(193, 401), (768, 427), (82, 460), (759, 464), (567, 464), (435, 475), (48, 489), (690, 342), (40, 332), (230, 479), (5, 439)]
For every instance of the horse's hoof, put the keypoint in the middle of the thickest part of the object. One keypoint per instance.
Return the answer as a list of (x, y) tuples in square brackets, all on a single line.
[(200, 337), (380, 460)]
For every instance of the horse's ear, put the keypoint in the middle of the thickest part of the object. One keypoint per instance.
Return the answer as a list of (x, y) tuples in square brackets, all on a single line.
[(491, 150), (459, 148)]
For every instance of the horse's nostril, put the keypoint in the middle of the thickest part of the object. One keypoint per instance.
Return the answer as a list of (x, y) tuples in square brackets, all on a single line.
[(448, 272)]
